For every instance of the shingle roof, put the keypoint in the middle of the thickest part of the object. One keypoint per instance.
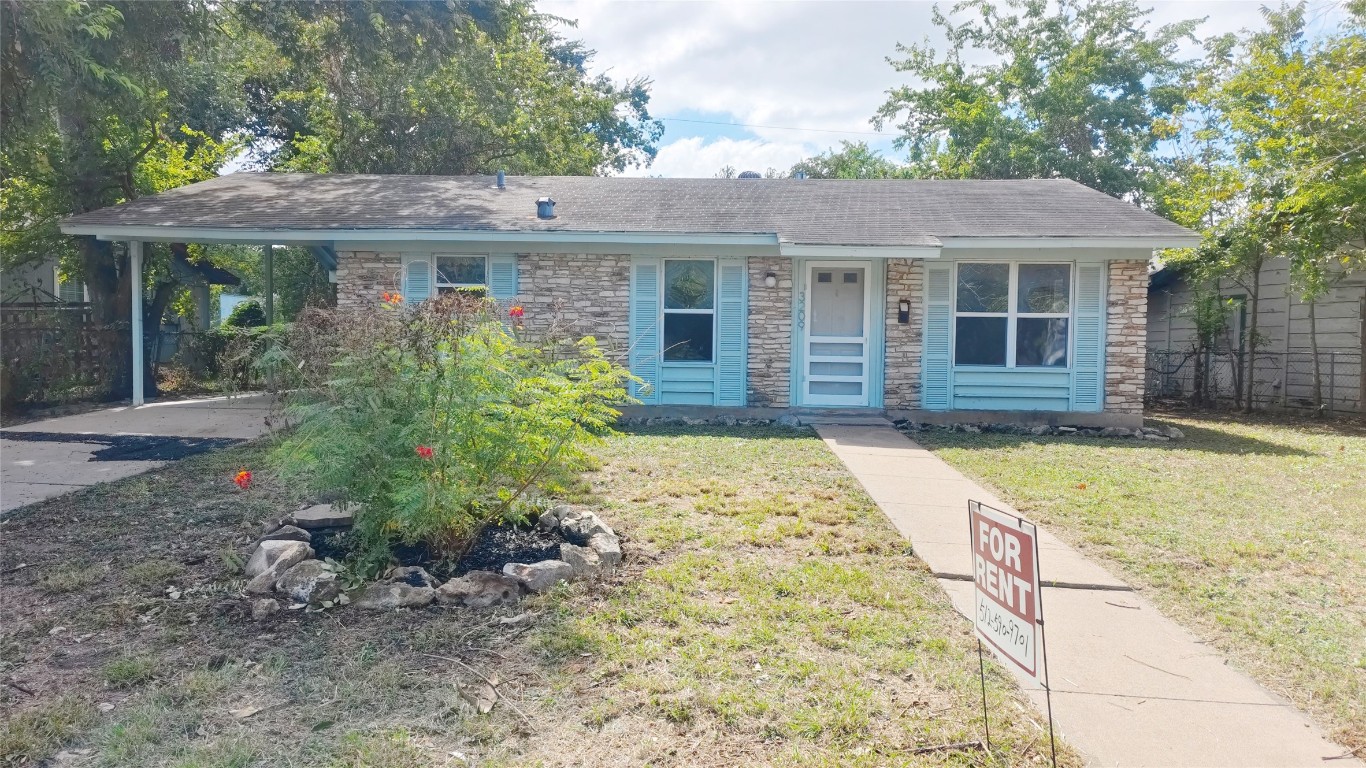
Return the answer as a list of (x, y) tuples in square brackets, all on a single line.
[(807, 212)]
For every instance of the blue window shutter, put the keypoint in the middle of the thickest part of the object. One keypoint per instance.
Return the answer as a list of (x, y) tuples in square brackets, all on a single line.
[(731, 333), (1088, 339), (417, 278), (503, 276), (645, 331), (937, 362)]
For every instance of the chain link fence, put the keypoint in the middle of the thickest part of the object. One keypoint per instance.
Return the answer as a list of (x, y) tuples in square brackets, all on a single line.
[(1331, 382)]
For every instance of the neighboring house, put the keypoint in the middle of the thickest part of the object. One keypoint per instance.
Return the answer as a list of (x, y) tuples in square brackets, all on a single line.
[(1284, 374), (922, 298), (39, 283)]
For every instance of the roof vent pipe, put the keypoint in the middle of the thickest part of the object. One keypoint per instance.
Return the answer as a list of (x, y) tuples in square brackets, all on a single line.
[(502, 180), (545, 208)]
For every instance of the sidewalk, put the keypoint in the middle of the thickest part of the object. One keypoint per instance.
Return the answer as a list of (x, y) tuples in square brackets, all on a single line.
[(42, 459), (1130, 686)]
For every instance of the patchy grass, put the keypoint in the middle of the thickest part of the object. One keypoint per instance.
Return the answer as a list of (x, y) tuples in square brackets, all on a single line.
[(71, 579), (1252, 531), (767, 614)]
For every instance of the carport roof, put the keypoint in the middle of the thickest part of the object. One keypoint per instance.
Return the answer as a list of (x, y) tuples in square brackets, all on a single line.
[(821, 212)]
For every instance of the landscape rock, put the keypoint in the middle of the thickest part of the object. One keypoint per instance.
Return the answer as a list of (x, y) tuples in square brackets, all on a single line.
[(263, 609), (1115, 432), (583, 560), (288, 533), (787, 420), (276, 557), (539, 577), (412, 575), (480, 589), (389, 596), (548, 521), (310, 581), (1042, 429), (1175, 433), (608, 547), (322, 516), (579, 526)]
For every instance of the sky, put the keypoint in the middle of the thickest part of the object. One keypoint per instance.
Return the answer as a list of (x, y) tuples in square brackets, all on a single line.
[(800, 75)]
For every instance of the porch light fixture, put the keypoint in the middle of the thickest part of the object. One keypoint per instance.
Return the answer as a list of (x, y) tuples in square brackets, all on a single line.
[(903, 312), (770, 280)]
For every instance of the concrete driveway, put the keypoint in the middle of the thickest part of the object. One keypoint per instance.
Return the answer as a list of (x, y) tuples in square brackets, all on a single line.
[(47, 458)]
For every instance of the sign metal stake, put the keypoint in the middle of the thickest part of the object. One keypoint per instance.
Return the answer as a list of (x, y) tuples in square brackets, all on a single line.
[(1006, 569)]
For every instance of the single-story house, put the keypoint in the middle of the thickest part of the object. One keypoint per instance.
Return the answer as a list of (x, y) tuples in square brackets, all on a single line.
[(919, 298)]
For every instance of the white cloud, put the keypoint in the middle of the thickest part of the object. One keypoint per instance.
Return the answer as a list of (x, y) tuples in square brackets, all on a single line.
[(811, 65), (696, 157)]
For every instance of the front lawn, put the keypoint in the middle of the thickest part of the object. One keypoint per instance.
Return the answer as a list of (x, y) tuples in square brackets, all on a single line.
[(1251, 531), (767, 614)]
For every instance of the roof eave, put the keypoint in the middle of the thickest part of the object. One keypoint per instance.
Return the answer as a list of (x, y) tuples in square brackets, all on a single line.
[(1149, 242)]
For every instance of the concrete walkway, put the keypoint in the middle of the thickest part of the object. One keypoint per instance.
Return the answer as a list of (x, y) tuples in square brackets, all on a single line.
[(48, 458), (1130, 686)]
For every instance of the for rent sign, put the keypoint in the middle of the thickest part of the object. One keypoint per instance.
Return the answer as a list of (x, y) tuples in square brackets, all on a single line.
[(1005, 567)]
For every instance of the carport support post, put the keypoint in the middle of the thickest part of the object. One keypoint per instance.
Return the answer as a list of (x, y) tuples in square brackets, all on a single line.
[(135, 291), (269, 257)]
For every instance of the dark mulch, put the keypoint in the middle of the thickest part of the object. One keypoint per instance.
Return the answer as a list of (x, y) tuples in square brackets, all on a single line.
[(498, 545)]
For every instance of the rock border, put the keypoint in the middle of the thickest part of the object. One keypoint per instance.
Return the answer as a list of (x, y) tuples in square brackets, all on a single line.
[(282, 566), (1154, 434)]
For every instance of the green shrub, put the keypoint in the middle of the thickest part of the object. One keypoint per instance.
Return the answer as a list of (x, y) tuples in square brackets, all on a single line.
[(246, 314), (437, 420)]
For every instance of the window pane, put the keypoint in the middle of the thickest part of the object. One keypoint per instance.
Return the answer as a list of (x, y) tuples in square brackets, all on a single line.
[(689, 284), (688, 337), (460, 269), (1041, 341), (1044, 288), (983, 287), (980, 341)]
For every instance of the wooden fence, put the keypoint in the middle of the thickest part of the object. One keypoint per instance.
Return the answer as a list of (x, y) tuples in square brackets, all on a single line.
[(56, 352)]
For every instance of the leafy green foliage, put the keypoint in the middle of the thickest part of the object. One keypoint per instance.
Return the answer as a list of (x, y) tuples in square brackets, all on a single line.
[(853, 160), (1080, 90), (440, 419), (247, 314)]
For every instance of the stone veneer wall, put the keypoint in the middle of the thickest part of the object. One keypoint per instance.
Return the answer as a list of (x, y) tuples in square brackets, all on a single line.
[(1126, 336), (363, 275), (583, 295), (901, 380), (770, 332)]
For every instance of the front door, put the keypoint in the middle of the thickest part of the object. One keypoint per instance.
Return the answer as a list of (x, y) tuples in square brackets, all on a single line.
[(836, 334)]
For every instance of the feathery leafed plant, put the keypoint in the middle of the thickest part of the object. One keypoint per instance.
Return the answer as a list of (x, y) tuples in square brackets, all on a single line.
[(437, 420)]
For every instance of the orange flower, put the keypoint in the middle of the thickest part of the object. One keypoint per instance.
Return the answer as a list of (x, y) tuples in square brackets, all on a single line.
[(1081, 486), (424, 451), (391, 298), (243, 479), (516, 311)]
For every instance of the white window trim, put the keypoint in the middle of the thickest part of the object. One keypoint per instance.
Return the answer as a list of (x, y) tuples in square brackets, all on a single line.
[(436, 271), (1012, 314), (57, 282), (663, 310)]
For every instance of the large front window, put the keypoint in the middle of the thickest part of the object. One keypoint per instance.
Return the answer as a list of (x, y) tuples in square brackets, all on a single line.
[(1012, 315), (689, 311)]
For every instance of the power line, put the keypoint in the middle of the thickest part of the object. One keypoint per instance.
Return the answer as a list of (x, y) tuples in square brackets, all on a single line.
[(773, 127)]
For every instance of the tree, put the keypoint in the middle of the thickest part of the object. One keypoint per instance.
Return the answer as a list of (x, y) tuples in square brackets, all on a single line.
[(438, 88), (1079, 90), (853, 160), (1275, 162), (101, 102)]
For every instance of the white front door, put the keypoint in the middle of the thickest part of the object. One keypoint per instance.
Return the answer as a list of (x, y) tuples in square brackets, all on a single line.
[(835, 346)]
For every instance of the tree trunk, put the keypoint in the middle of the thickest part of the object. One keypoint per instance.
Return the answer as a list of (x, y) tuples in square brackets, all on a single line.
[(1314, 354), (1254, 297)]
